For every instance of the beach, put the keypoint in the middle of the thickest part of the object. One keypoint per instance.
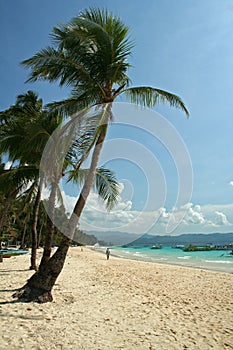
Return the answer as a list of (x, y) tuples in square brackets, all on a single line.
[(102, 304)]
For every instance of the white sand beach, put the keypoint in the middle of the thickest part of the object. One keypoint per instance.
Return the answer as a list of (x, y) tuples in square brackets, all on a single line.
[(118, 304)]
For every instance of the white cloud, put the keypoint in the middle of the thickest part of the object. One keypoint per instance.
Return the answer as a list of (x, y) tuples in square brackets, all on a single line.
[(191, 218), (164, 216), (194, 216), (231, 183), (221, 219)]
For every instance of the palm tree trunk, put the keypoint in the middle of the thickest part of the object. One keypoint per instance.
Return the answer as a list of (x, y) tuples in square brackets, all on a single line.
[(49, 226), (39, 286), (34, 226), (26, 209), (39, 236)]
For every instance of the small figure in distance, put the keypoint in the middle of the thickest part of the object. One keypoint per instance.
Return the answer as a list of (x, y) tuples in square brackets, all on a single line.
[(107, 253)]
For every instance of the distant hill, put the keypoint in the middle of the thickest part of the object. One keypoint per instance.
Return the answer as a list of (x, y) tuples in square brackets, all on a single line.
[(123, 238), (185, 239), (114, 237)]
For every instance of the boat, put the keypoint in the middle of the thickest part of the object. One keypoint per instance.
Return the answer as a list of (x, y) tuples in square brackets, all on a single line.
[(156, 246), (7, 253), (179, 246)]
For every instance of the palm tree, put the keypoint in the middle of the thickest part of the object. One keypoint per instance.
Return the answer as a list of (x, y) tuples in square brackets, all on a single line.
[(29, 128), (25, 129), (90, 55), (13, 182)]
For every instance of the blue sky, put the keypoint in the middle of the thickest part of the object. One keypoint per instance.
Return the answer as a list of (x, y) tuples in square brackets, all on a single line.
[(182, 46)]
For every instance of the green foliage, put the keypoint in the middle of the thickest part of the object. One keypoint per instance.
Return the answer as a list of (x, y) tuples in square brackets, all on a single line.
[(105, 184), (91, 55), (194, 248), (149, 97)]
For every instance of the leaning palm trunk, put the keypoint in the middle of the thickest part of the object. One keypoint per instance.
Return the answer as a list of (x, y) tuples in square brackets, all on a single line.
[(39, 286)]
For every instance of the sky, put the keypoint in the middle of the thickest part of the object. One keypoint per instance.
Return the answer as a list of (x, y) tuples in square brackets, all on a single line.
[(183, 46)]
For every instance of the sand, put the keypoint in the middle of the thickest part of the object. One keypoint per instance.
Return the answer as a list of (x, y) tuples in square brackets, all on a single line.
[(118, 304)]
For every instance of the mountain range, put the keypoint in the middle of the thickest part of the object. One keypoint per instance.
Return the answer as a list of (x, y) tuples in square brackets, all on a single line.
[(114, 237), (122, 238), (184, 239)]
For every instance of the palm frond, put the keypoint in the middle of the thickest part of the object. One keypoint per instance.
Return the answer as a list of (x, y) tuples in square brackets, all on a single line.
[(105, 184), (149, 97), (52, 65), (107, 187), (29, 103), (80, 98), (17, 178), (91, 49)]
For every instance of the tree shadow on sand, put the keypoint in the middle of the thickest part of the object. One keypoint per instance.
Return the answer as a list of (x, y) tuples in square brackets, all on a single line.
[(22, 317), (8, 290), (19, 270)]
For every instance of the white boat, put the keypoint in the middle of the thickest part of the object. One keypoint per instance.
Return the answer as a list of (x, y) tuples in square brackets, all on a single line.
[(156, 246)]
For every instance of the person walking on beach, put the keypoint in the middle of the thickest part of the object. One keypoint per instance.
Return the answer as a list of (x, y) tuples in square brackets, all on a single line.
[(107, 253)]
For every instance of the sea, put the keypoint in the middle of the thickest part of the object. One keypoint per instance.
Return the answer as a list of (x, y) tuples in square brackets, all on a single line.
[(216, 260)]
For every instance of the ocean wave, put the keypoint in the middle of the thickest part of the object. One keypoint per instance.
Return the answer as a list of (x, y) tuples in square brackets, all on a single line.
[(219, 261)]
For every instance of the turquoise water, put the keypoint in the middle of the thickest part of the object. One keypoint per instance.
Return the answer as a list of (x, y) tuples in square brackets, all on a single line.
[(217, 260)]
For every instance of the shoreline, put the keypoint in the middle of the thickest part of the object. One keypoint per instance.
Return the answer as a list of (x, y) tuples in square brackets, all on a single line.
[(115, 304), (150, 260)]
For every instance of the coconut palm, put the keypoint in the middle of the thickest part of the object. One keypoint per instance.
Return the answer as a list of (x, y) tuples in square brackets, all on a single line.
[(25, 129), (13, 182), (90, 55)]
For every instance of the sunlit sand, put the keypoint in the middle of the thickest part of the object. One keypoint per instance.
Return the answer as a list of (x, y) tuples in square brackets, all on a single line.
[(118, 304)]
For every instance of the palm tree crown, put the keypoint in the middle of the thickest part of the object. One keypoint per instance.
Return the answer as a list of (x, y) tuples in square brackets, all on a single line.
[(90, 54)]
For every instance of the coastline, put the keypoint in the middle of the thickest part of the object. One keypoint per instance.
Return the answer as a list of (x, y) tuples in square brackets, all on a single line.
[(119, 304), (121, 254)]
